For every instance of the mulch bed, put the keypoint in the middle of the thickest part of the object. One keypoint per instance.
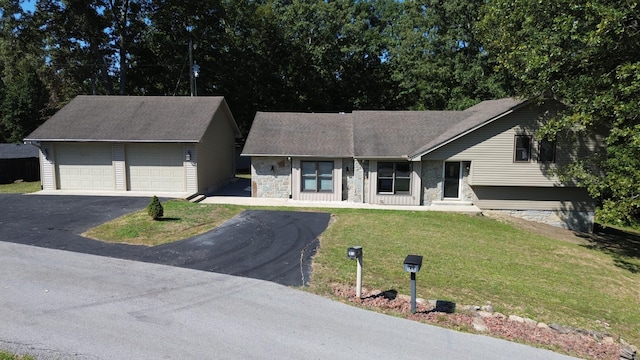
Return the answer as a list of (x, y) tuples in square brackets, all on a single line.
[(579, 343)]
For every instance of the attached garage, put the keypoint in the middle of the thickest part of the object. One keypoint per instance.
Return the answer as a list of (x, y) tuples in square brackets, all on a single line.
[(84, 167), (155, 167), (153, 144)]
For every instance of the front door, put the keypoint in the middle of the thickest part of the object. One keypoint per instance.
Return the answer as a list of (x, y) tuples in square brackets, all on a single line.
[(451, 180)]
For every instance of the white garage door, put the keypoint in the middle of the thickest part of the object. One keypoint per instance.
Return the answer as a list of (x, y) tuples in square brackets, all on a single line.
[(155, 167), (84, 167)]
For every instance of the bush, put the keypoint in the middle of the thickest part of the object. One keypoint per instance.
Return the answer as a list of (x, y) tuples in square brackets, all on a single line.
[(154, 209)]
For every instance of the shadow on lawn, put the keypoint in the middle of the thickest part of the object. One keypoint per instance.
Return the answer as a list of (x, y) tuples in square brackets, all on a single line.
[(621, 245)]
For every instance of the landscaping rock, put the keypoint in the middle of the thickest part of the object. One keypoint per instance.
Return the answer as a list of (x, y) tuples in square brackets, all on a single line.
[(487, 308), (516, 318), (559, 329), (479, 325), (498, 315)]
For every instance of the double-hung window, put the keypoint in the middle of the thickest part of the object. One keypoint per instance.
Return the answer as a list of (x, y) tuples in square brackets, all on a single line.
[(394, 177), (522, 151), (317, 176)]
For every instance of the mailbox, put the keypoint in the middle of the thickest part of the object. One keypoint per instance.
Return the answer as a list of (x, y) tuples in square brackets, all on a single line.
[(412, 263), (354, 252)]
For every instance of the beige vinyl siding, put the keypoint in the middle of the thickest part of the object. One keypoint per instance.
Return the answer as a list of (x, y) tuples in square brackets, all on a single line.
[(119, 167), (491, 152), (296, 182), (155, 167), (215, 153), (413, 198), (47, 174), (533, 198), (84, 166), (191, 168)]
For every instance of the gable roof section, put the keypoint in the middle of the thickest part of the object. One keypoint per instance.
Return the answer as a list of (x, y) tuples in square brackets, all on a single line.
[(300, 134), (368, 134), (479, 115), (132, 119)]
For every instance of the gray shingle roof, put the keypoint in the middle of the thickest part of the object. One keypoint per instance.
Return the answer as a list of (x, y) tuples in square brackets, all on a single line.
[(18, 151), (300, 134), (367, 134), (132, 119), (398, 133)]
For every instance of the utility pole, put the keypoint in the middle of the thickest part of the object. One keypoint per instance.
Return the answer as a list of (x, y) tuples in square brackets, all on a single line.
[(191, 79)]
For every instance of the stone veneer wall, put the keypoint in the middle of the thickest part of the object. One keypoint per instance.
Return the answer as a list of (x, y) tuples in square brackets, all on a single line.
[(270, 184), (355, 182), (467, 191), (573, 220), (431, 181)]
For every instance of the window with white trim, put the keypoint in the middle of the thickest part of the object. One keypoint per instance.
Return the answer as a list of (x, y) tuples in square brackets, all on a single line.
[(394, 177), (317, 176)]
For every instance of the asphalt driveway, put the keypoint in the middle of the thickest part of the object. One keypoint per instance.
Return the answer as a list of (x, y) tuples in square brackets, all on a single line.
[(269, 245)]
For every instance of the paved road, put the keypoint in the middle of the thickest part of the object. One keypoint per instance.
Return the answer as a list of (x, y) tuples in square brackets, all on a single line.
[(65, 305), (269, 245)]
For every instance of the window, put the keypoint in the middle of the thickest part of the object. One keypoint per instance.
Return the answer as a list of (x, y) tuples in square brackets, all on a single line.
[(317, 176), (394, 177), (547, 151), (523, 148)]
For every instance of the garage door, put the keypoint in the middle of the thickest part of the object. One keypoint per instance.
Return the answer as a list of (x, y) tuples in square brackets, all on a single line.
[(84, 167), (155, 167)]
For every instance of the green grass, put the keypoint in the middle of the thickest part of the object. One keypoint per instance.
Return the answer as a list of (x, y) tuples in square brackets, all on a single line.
[(472, 260), (181, 220), (467, 260), (20, 188), (9, 356)]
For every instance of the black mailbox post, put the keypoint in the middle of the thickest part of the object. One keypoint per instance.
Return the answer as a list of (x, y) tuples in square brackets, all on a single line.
[(412, 264)]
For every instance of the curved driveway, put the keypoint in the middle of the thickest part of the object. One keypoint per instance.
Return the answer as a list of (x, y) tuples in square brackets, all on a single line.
[(268, 245)]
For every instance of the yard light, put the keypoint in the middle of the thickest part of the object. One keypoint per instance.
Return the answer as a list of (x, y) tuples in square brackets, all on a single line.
[(355, 253), (412, 264)]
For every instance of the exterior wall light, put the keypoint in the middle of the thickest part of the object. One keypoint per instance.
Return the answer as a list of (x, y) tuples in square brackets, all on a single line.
[(187, 157)]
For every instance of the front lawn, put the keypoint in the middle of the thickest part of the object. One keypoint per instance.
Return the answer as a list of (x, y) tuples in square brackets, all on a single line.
[(467, 260), (20, 187)]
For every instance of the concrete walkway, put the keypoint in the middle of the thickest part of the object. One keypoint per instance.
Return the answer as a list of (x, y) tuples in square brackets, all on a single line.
[(238, 192)]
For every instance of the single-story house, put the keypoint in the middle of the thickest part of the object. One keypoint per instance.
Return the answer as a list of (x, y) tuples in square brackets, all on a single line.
[(487, 156), (138, 143), (18, 162)]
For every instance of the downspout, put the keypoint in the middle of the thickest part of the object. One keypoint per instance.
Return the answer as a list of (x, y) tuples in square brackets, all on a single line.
[(290, 177)]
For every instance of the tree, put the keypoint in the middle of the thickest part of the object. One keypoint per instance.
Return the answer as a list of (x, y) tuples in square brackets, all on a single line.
[(24, 98), (155, 209), (438, 59), (585, 55)]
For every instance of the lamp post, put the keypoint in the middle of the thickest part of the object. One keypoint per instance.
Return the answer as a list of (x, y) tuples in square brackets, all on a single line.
[(194, 71)]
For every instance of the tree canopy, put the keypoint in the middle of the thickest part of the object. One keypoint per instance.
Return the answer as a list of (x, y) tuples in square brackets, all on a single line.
[(586, 55)]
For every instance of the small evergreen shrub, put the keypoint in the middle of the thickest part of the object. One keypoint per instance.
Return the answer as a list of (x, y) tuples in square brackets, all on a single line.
[(154, 209)]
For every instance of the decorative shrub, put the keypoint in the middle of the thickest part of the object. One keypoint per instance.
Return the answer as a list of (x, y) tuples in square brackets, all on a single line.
[(154, 209)]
